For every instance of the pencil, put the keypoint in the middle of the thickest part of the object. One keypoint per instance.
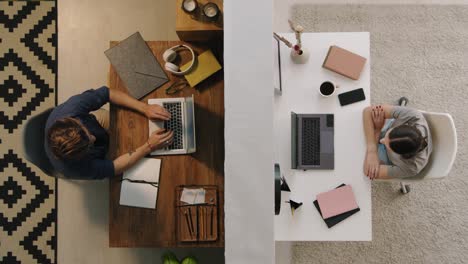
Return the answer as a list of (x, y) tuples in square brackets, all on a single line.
[(211, 225), (188, 223), (190, 220), (202, 224), (205, 223)]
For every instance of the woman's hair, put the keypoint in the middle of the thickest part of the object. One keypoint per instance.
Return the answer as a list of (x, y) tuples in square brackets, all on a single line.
[(68, 140), (406, 140)]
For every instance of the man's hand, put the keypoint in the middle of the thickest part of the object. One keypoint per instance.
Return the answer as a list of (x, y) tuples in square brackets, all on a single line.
[(378, 117), (156, 112), (371, 165), (160, 139)]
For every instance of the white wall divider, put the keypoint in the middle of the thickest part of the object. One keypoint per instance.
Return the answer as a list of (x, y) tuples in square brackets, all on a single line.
[(248, 67)]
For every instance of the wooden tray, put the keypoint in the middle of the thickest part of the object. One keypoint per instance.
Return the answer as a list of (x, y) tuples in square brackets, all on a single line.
[(198, 222)]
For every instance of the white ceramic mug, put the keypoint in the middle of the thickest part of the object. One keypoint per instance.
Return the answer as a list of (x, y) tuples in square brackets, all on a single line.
[(327, 89)]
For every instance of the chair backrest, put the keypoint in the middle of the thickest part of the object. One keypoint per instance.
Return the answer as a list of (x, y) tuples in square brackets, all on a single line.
[(33, 142), (444, 146)]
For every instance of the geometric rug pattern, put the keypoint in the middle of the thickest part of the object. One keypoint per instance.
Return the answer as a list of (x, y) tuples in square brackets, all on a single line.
[(28, 82)]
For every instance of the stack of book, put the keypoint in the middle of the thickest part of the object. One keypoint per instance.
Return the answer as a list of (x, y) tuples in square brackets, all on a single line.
[(336, 205)]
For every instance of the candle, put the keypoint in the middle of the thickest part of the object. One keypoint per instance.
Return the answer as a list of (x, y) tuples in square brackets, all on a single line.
[(189, 5), (211, 10)]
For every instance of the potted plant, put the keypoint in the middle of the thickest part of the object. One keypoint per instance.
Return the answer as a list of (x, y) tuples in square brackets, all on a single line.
[(170, 258)]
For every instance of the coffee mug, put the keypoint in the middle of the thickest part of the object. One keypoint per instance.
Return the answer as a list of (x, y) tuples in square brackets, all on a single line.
[(327, 89)]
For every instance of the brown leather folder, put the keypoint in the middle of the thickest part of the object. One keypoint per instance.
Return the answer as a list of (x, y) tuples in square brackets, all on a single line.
[(344, 62)]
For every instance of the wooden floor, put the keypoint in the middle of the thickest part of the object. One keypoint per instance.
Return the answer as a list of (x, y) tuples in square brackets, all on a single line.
[(137, 227)]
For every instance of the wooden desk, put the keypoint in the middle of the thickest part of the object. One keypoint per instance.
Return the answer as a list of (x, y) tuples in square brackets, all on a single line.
[(138, 227)]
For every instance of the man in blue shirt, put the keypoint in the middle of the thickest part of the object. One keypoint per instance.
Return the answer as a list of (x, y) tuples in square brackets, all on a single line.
[(76, 142)]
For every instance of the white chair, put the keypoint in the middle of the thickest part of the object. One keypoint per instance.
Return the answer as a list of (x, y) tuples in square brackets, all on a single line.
[(444, 149)]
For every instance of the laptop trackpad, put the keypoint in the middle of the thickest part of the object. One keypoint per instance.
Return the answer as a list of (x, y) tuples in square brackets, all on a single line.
[(326, 142)]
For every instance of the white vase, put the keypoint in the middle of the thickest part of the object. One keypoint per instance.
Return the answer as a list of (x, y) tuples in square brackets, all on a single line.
[(300, 59)]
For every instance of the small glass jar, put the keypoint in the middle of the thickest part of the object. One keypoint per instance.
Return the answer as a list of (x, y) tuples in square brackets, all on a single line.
[(211, 11), (189, 6)]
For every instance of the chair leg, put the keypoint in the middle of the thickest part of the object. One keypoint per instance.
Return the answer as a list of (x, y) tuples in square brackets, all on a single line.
[(403, 101), (404, 188)]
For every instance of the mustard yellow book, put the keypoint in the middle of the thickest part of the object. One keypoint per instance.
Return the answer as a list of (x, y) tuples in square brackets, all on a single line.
[(206, 65)]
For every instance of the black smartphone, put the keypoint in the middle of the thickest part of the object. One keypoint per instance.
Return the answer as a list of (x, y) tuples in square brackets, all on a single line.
[(351, 97)]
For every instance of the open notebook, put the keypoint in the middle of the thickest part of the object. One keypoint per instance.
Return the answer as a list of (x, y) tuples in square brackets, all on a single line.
[(139, 194)]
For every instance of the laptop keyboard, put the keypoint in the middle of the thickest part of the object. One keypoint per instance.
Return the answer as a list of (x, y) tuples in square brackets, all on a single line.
[(175, 124), (311, 141)]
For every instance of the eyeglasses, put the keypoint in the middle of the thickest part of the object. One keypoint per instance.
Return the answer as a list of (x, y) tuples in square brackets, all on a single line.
[(176, 87)]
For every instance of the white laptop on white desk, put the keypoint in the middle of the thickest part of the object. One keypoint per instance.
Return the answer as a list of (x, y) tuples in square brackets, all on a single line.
[(182, 123), (300, 94)]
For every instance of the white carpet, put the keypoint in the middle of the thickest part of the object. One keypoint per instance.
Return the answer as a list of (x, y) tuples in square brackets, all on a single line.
[(420, 52)]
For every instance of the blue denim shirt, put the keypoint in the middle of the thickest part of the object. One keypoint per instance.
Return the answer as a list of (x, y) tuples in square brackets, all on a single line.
[(95, 165)]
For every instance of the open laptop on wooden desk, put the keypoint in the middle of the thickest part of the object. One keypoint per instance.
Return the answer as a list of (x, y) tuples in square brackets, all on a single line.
[(140, 227), (182, 123)]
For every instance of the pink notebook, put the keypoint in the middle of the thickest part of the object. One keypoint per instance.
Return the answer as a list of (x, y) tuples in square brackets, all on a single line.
[(344, 62), (337, 201)]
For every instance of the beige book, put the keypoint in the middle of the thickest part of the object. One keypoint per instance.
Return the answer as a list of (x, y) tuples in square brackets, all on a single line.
[(344, 62)]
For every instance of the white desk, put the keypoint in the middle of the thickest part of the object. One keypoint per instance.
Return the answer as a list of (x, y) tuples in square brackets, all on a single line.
[(300, 95)]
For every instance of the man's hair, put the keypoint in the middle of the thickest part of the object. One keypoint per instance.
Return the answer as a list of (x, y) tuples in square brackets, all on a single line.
[(68, 140), (407, 141)]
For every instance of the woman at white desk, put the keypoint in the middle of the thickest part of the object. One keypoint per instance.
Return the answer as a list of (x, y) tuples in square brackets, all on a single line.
[(398, 142)]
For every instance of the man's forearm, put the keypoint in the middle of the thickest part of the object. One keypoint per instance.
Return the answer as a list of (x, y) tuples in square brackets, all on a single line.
[(123, 99), (127, 160)]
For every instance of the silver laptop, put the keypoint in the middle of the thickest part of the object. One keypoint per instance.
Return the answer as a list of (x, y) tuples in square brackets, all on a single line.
[(312, 141), (182, 122)]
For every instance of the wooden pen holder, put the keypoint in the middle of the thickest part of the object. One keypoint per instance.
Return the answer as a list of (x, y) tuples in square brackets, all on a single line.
[(197, 222)]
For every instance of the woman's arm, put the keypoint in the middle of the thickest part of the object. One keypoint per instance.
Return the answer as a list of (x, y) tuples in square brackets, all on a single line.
[(383, 172), (151, 111), (371, 162), (374, 119), (370, 130), (159, 139)]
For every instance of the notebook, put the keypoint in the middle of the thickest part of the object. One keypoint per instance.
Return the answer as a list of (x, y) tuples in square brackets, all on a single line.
[(136, 65), (206, 65), (331, 221), (337, 201), (344, 62), (141, 194)]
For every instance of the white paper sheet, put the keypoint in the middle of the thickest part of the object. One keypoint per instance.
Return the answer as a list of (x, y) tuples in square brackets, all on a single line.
[(141, 194), (193, 196)]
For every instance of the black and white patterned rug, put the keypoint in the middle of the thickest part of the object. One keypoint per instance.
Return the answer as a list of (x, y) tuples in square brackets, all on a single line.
[(28, 78)]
